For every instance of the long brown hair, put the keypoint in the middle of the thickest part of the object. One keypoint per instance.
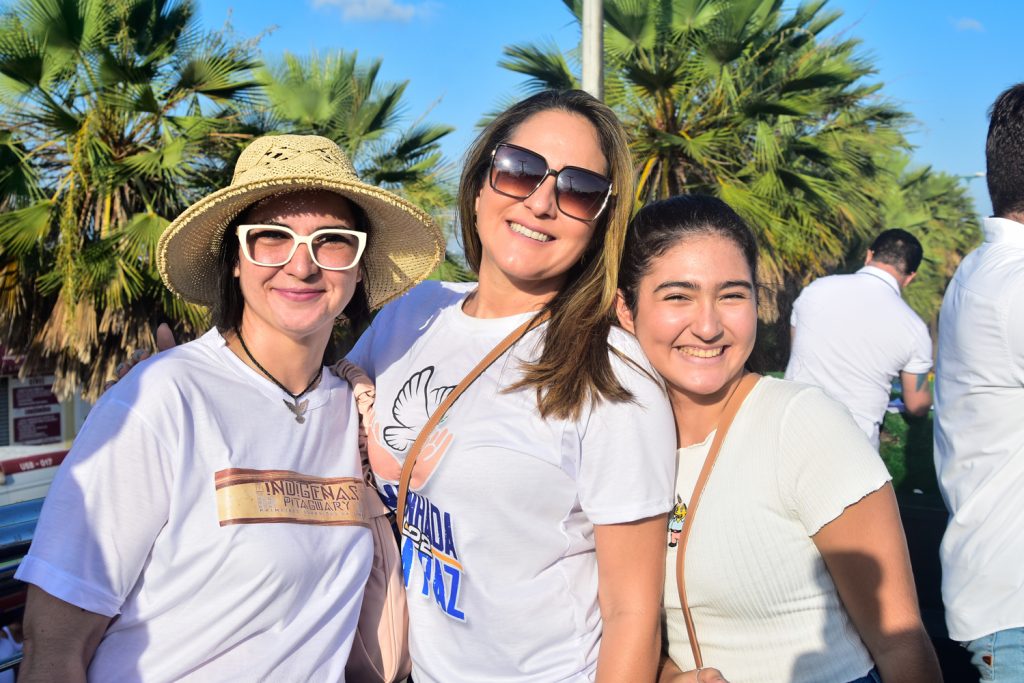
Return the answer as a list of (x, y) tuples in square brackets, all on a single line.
[(574, 367)]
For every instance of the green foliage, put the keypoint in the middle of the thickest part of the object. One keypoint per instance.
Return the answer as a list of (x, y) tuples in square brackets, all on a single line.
[(907, 450), (892, 447), (747, 101), (453, 269), (114, 117), (744, 100), (341, 98), (906, 447), (99, 104)]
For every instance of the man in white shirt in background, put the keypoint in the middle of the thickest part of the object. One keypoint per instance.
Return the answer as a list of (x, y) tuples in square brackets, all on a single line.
[(979, 418), (854, 334)]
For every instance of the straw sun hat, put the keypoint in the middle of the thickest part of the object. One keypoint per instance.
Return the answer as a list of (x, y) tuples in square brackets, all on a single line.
[(403, 246)]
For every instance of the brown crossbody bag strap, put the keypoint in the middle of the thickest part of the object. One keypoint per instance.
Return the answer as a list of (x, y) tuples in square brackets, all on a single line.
[(417, 446), (732, 406)]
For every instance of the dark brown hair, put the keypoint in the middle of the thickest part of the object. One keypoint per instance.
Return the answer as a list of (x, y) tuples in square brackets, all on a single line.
[(899, 249), (1004, 152)]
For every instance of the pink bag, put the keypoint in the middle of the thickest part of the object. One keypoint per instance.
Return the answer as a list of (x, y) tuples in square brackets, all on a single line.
[(380, 652)]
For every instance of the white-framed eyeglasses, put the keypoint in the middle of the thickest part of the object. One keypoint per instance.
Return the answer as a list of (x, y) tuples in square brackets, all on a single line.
[(275, 245)]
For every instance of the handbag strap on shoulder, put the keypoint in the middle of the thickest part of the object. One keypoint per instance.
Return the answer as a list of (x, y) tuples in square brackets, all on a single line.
[(732, 406), (364, 393), (488, 360)]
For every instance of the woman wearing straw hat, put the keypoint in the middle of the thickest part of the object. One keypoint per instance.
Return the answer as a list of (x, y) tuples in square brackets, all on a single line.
[(208, 521)]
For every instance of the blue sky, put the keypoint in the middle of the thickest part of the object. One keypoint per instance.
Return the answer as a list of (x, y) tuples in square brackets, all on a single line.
[(943, 61)]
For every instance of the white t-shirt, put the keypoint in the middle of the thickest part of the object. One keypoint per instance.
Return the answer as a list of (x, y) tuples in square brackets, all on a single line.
[(499, 554), (763, 602), (854, 335), (979, 435), (175, 511)]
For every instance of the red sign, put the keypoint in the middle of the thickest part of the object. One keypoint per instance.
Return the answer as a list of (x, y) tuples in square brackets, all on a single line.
[(33, 462)]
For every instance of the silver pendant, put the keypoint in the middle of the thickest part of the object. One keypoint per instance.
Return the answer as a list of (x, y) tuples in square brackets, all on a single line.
[(298, 409)]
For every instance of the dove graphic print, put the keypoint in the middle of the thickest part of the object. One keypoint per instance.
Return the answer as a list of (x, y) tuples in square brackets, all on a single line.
[(413, 406), (497, 540), (555, 467)]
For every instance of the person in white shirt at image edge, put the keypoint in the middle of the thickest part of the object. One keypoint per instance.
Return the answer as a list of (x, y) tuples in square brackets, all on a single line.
[(209, 521), (854, 334), (979, 408)]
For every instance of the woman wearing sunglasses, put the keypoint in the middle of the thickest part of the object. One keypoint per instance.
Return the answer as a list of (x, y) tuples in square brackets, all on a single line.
[(208, 523), (533, 534)]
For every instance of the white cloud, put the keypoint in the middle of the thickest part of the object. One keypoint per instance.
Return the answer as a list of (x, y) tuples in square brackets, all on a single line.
[(375, 10), (968, 24)]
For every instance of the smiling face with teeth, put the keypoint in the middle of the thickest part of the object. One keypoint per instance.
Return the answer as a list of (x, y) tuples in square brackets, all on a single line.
[(528, 245), (696, 317)]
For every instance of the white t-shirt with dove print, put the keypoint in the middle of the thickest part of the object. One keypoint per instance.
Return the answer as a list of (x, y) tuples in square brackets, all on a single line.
[(499, 548)]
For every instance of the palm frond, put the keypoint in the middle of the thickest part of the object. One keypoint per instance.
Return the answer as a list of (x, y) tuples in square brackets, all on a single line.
[(24, 230), (545, 65), (113, 116)]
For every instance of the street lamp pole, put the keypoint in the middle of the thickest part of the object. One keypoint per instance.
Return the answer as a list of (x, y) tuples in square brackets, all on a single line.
[(593, 48)]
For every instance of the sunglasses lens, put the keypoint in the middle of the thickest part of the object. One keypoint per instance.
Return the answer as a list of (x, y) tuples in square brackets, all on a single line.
[(581, 194), (516, 172)]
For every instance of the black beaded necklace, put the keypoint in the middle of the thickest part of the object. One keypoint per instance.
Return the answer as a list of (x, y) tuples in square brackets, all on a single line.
[(298, 409)]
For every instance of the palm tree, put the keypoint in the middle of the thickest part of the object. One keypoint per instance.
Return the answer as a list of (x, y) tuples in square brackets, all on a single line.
[(339, 97), (113, 117), (746, 101)]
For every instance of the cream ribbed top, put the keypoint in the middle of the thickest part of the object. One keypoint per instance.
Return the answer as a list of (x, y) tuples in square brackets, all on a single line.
[(764, 604)]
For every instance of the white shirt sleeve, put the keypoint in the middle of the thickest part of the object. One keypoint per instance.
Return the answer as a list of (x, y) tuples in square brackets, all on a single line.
[(628, 452), (360, 355), (796, 309), (384, 336), (103, 512), (826, 461), (1015, 332), (920, 360)]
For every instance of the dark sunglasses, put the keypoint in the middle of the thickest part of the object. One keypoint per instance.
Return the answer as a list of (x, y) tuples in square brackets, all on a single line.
[(517, 172)]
